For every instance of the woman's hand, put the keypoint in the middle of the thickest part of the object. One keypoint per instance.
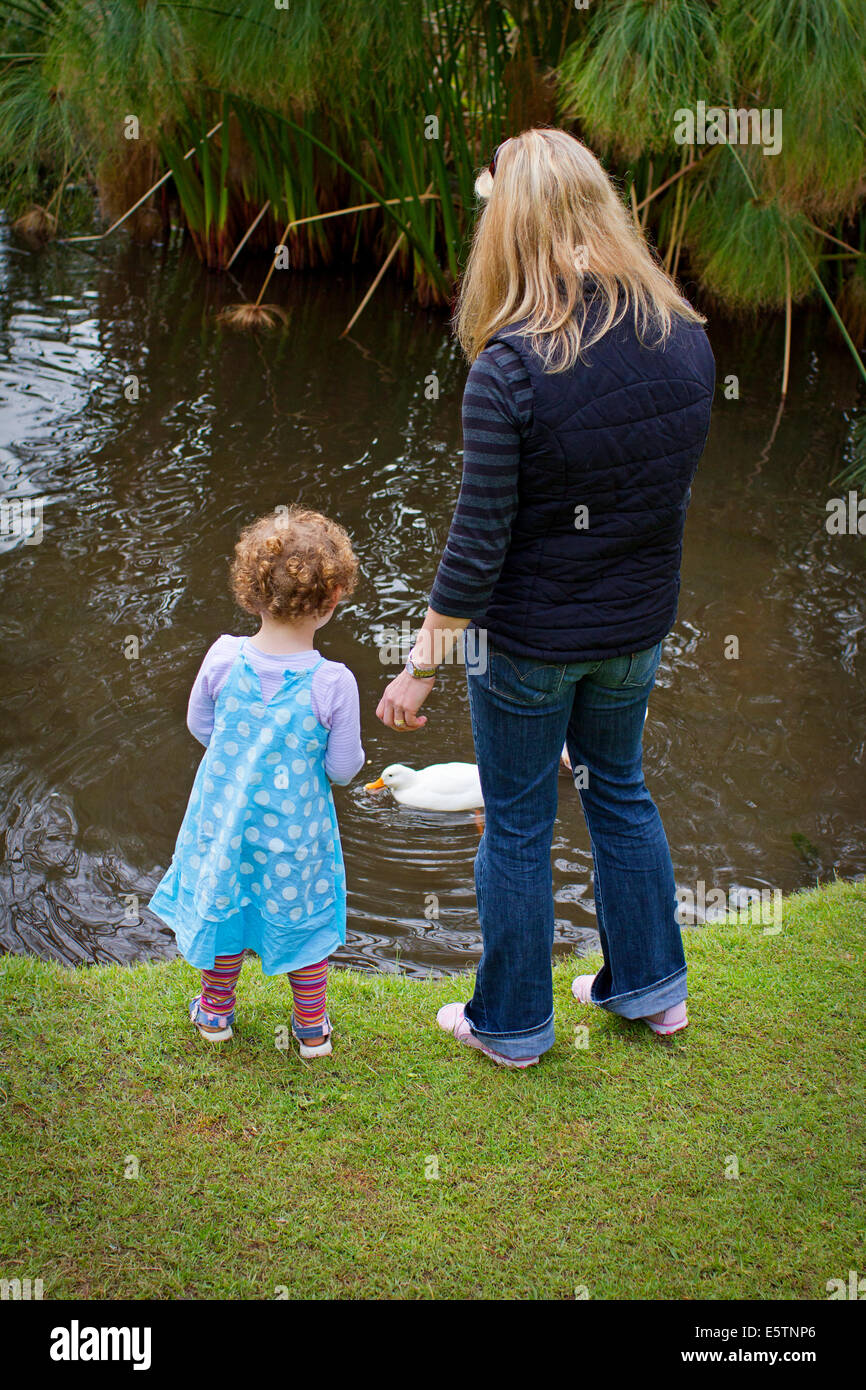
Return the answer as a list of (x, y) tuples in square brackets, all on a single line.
[(401, 701)]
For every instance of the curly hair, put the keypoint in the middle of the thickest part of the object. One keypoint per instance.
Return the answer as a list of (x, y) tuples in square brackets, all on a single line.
[(291, 563)]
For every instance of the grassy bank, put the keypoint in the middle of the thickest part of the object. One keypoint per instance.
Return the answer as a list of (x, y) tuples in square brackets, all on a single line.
[(604, 1168)]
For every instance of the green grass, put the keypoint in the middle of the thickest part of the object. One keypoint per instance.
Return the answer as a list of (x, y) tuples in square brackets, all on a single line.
[(603, 1168)]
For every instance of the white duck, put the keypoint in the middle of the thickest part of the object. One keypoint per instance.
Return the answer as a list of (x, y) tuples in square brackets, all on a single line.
[(439, 787)]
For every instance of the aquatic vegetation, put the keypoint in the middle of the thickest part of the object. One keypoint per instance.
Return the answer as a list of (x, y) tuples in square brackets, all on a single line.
[(302, 109), (267, 117)]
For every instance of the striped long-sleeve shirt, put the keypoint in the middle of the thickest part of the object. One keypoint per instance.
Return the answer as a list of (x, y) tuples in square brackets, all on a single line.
[(497, 408)]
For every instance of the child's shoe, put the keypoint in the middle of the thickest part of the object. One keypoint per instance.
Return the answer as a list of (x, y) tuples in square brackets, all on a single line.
[(214, 1027), (317, 1030), (452, 1019), (671, 1020)]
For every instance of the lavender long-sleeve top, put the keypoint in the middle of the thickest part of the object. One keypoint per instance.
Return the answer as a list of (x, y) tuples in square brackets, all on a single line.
[(336, 703)]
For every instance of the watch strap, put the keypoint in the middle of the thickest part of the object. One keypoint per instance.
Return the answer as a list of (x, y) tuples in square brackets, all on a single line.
[(421, 673)]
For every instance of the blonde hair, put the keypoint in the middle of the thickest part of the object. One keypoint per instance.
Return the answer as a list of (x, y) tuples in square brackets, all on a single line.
[(553, 217), (291, 563)]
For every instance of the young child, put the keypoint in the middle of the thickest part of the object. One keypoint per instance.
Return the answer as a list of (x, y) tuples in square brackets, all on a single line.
[(258, 862)]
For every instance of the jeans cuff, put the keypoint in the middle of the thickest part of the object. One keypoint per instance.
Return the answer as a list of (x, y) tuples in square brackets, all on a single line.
[(652, 1000), (528, 1044)]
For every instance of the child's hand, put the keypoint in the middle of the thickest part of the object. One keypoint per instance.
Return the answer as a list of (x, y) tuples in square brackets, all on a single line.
[(401, 701)]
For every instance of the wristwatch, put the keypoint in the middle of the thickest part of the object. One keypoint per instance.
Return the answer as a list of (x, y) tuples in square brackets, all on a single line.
[(420, 673)]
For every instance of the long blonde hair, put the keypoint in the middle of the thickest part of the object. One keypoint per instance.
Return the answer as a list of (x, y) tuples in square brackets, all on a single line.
[(552, 216)]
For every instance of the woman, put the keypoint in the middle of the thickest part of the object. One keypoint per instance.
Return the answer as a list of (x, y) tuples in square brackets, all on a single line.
[(585, 412)]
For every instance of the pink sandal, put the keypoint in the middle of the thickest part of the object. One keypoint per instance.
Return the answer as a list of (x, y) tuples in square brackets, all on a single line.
[(672, 1020), (452, 1019)]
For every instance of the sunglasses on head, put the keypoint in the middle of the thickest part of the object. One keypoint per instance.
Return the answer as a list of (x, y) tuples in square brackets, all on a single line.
[(492, 165)]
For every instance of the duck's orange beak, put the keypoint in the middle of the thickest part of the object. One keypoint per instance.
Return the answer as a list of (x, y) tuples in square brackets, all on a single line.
[(374, 786)]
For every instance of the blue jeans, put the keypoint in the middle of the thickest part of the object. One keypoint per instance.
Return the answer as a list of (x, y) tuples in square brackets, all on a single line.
[(523, 710)]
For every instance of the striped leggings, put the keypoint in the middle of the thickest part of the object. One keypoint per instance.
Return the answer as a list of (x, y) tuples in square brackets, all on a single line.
[(308, 989)]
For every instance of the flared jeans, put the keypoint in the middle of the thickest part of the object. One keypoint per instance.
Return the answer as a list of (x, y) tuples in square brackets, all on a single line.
[(523, 711)]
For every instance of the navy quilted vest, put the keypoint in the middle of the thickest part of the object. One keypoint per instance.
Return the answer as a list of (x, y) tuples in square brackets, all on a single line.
[(619, 435)]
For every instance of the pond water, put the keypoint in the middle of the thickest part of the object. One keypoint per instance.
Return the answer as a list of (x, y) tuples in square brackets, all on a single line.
[(757, 763)]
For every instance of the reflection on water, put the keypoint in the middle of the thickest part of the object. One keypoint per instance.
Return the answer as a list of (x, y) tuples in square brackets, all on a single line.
[(757, 763)]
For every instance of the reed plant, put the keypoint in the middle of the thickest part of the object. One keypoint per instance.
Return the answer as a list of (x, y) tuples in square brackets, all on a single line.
[(266, 117)]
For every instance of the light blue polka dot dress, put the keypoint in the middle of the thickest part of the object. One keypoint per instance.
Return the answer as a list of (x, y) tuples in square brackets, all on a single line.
[(258, 862)]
